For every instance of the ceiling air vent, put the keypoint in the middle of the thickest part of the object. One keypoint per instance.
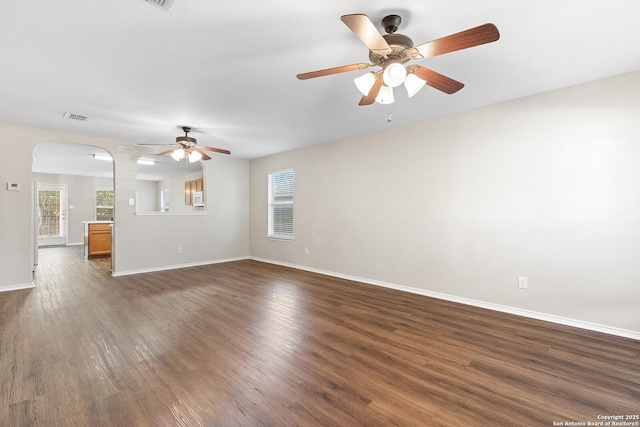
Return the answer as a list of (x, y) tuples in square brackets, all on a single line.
[(163, 4), (77, 117)]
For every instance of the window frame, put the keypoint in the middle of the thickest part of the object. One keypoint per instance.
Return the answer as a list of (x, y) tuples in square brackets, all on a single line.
[(271, 204), (164, 200), (112, 207)]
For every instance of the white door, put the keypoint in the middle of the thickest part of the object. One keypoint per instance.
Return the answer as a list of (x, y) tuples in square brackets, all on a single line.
[(52, 205)]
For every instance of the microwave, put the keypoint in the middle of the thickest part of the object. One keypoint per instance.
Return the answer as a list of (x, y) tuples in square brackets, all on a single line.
[(198, 198)]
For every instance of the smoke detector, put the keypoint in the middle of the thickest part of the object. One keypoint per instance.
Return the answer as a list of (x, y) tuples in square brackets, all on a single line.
[(162, 4)]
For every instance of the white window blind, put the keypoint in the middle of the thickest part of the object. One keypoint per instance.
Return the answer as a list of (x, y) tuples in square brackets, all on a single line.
[(281, 204)]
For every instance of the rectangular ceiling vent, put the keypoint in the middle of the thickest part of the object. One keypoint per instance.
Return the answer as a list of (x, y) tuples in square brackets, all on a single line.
[(76, 117), (163, 4)]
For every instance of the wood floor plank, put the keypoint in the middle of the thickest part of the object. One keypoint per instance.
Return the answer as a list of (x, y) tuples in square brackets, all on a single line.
[(252, 344)]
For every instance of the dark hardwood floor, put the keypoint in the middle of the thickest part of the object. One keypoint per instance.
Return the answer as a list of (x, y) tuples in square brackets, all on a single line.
[(252, 344)]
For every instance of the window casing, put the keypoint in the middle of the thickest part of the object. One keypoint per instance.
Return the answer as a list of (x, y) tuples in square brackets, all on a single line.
[(164, 200), (281, 205), (104, 205)]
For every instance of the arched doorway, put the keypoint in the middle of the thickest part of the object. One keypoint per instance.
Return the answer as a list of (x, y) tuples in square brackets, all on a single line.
[(73, 184)]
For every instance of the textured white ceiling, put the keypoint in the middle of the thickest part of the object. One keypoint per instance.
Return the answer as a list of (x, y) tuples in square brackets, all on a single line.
[(227, 68)]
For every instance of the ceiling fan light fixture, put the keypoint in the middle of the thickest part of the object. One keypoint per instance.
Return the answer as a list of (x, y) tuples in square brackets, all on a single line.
[(194, 156), (394, 74), (385, 96), (413, 84), (365, 83), (178, 154)]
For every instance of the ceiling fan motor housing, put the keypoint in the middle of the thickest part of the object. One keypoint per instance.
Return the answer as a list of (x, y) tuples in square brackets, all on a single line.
[(399, 43), (186, 140), (400, 50)]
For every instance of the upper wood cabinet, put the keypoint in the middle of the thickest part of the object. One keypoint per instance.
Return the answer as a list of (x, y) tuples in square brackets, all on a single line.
[(190, 187)]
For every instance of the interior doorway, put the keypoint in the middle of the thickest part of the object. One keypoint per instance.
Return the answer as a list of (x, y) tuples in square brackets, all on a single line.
[(73, 186)]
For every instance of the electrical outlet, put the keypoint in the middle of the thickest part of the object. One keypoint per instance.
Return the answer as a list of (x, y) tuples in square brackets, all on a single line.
[(522, 283), (306, 251), (179, 249)]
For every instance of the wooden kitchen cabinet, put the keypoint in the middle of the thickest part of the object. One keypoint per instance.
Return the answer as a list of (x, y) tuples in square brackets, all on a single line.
[(190, 187), (97, 239)]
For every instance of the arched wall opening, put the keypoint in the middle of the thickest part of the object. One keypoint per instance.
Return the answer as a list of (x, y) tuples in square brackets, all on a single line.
[(73, 185)]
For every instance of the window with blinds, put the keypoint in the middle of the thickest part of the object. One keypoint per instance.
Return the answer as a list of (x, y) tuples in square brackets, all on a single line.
[(281, 204)]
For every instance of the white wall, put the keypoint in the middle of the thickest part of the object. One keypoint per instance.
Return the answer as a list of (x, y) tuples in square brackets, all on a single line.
[(140, 242), (81, 199), (148, 196), (218, 233), (546, 187)]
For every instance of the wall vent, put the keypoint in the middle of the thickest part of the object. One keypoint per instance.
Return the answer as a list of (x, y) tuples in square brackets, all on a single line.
[(77, 117), (162, 4)]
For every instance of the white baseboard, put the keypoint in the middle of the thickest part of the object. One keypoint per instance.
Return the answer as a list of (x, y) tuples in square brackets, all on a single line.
[(17, 287), (482, 304), (174, 267)]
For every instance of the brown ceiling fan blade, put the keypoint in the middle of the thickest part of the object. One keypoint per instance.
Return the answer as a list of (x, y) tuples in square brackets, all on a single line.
[(362, 27), (486, 33), (334, 70), (204, 155), (166, 152), (217, 150), (437, 80), (370, 98)]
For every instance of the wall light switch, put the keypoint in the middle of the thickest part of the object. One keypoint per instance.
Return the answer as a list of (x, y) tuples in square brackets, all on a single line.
[(131, 202)]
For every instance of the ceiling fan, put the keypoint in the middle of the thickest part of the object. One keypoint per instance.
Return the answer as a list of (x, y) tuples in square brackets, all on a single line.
[(188, 148), (392, 51)]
